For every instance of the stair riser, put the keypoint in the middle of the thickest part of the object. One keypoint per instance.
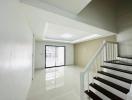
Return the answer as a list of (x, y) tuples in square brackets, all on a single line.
[(118, 82), (99, 94), (125, 59), (129, 68), (112, 90), (86, 97), (118, 73)]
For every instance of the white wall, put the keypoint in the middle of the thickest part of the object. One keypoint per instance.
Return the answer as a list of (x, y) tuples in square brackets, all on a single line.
[(40, 53), (15, 52), (124, 23)]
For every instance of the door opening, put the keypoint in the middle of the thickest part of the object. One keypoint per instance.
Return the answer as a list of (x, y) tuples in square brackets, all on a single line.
[(54, 56)]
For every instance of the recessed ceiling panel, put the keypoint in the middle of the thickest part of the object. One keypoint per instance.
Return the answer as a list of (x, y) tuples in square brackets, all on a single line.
[(59, 32)]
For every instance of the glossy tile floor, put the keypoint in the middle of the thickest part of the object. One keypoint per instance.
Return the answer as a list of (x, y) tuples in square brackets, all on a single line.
[(61, 83)]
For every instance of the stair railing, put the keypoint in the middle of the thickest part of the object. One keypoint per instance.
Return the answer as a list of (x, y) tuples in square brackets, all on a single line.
[(107, 51)]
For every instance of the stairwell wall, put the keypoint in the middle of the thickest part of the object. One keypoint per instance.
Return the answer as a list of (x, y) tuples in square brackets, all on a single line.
[(124, 24), (84, 51)]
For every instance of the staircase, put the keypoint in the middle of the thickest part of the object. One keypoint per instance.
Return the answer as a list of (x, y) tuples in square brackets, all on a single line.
[(107, 76)]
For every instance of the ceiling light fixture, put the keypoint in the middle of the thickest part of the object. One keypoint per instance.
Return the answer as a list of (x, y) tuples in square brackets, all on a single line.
[(87, 38)]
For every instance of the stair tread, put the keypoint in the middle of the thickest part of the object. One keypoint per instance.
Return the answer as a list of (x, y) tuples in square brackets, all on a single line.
[(119, 62), (105, 92), (125, 57), (121, 70), (120, 88), (92, 95), (116, 77)]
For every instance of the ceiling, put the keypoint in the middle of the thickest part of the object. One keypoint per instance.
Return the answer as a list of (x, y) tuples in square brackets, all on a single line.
[(65, 34), (49, 26), (60, 6), (73, 6)]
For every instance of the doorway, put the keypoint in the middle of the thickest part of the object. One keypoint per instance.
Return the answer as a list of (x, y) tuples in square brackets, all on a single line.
[(54, 56)]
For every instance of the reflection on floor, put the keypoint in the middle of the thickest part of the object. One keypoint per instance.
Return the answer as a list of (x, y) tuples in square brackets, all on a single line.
[(54, 78), (61, 83)]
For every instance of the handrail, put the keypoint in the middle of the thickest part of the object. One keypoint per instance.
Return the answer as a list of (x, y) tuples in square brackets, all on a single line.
[(87, 67), (108, 51), (112, 42)]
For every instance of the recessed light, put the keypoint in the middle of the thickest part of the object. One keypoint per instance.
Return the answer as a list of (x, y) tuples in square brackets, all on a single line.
[(66, 35), (86, 38)]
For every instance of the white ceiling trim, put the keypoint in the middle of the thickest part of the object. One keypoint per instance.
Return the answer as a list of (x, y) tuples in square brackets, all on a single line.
[(78, 40), (53, 40), (88, 39)]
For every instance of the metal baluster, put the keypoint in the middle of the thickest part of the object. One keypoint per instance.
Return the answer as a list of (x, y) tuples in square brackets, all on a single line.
[(106, 51), (81, 86), (110, 51), (103, 54), (113, 51), (96, 64)]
